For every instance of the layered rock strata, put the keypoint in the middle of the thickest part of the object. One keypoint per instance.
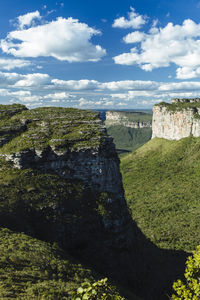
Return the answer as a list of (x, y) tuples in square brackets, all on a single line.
[(127, 119), (175, 121)]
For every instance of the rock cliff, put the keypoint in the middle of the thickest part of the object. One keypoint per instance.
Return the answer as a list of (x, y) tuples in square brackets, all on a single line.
[(128, 119), (177, 120), (70, 143), (60, 182), (60, 175)]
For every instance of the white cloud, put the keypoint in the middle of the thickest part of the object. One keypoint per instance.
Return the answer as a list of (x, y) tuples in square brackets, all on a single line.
[(21, 93), (9, 78), (37, 88), (28, 19), (83, 84), (9, 64), (63, 39), (180, 86), (59, 96), (134, 37), (129, 85), (178, 44), (134, 20), (35, 79)]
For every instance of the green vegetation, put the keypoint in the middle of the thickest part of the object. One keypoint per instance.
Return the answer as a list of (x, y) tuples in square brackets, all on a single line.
[(97, 290), (32, 269), (173, 107), (126, 138), (60, 128), (190, 288), (37, 206), (161, 182)]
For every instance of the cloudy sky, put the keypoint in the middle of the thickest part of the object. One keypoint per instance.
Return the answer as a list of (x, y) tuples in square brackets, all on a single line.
[(99, 54)]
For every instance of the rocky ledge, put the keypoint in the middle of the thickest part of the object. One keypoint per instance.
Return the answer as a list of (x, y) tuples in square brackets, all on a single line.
[(69, 142), (177, 120), (128, 119)]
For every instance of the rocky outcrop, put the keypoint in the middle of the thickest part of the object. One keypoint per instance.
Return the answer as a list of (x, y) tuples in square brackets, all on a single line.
[(127, 119), (72, 144), (73, 149), (98, 168), (176, 121)]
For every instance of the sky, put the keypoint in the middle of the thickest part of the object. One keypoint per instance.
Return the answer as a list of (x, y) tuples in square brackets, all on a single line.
[(99, 54)]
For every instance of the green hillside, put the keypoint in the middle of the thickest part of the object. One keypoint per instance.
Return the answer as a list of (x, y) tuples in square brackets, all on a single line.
[(52, 227), (129, 139), (32, 269), (161, 182)]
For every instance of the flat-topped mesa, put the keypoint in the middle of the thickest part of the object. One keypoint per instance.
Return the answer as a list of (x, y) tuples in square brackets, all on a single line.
[(128, 119), (69, 142), (177, 120)]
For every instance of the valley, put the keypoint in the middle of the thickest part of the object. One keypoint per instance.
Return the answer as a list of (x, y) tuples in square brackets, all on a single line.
[(66, 224)]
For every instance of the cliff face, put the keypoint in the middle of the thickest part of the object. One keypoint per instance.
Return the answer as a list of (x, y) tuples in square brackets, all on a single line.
[(60, 175), (127, 119), (70, 143), (176, 121)]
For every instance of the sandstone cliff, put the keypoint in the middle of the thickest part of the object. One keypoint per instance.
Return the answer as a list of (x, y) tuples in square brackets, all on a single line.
[(70, 143), (60, 175), (177, 120), (128, 119), (60, 182)]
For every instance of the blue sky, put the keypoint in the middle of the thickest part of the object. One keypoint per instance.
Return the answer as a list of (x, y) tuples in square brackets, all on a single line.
[(99, 54)]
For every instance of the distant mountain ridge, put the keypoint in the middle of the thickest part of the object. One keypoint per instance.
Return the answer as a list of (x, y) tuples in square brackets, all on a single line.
[(128, 119)]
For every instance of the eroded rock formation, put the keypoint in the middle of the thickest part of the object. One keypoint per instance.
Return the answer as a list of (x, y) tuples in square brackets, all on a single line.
[(127, 119), (176, 121)]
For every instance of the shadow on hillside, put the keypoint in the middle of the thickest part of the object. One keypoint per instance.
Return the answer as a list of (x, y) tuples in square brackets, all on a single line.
[(155, 268), (142, 267), (125, 256), (122, 151)]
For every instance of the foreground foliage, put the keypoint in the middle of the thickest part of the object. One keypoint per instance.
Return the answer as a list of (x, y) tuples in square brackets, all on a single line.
[(32, 269), (189, 289), (161, 182), (97, 290)]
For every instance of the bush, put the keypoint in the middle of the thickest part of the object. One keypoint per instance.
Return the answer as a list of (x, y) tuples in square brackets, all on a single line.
[(97, 290), (190, 288)]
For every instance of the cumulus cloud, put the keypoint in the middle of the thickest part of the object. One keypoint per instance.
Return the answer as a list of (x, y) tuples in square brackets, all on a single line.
[(7, 79), (63, 39), (35, 79), (129, 85), (83, 84), (42, 89), (134, 37), (59, 96), (134, 20), (178, 44), (28, 19), (10, 64)]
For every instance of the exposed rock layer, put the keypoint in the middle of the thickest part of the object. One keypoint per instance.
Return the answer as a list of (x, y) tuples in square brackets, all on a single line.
[(127, 119), (174, 122)]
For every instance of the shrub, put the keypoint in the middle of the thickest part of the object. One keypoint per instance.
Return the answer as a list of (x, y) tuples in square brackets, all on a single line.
[(97, 290), (190, 288)]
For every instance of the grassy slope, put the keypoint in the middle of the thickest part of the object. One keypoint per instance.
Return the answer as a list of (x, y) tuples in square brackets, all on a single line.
[(161, 181), (32, 269), (61, 128), (127, 138)]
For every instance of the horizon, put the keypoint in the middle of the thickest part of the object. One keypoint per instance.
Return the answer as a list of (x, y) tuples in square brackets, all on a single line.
[(107, 56)]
